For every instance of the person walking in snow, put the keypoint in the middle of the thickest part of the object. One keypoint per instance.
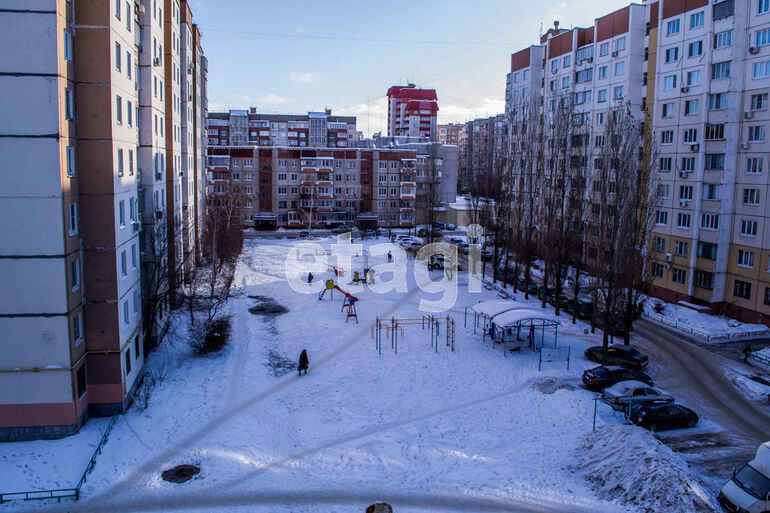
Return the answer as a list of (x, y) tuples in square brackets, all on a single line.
[(309, 278), (746, 353), (304, 362), (390, 257)]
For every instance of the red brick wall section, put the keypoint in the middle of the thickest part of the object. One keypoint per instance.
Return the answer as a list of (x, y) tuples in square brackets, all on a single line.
[(585, 36), (676, 7), (560, 45), (612, 25), (520, 59), (43, 414), (654, 14)]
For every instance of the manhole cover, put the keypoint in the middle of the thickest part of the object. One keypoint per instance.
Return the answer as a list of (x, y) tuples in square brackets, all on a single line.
[(180, 473)]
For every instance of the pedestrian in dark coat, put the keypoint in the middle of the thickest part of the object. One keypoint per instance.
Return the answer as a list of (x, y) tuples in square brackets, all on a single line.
[(390, 256), (309, 278), (304, 362), (746, 353)]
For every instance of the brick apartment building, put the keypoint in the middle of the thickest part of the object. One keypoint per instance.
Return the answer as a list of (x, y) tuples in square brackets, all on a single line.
[(699, 72), (412, 112), (84, 145)]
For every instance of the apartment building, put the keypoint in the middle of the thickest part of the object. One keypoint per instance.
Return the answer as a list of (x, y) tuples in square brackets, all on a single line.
[(83, 155), (315, 186), (412, 112), (484, 150), (449, 133), (248, 127)]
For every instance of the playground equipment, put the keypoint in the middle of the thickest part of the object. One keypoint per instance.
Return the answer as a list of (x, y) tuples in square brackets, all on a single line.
[(349, 307), (395, 326), (330, 288)]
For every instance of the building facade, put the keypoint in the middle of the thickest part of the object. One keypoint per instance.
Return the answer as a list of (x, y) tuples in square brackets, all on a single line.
[(483, 148), (449, 133), (412, 112), (81, 174), (250, 128)]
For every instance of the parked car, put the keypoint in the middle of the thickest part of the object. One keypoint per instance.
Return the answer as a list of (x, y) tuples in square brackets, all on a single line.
[(603, 376), (341, 229), (450, 227), (625, 356), (582, 307), (563, 300), (749, 488), (658, 416), (437, 227), (304, 233), (620, 395), (436, 262), (422, 232), (531, 287)]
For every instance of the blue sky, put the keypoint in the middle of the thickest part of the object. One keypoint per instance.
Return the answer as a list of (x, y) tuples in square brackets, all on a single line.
[(296, 56)]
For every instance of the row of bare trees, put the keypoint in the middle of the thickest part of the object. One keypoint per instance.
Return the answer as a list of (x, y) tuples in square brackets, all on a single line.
[(573, 196)]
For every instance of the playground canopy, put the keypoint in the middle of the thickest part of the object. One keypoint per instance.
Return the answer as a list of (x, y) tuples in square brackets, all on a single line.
[(495, 307), (525, 318)]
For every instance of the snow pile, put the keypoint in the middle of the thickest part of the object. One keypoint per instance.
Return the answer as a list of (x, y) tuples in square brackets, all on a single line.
[(630, 466), (762, 353), (711, 328)]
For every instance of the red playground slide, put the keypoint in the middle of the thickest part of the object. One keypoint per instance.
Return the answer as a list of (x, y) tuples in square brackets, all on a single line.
[(354, 298)]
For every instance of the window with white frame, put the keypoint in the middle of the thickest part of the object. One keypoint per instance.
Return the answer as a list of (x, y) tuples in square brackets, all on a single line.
[(672, 54), (661, 217), (764, 6), (720, 70), (759, 101), (672, 27), (602, 72), (73, 218), (762, 37), (70, 161), (688, 164), (681, 248), (667, 137), (75, 273), (750, 196), (669, 110), (679, 275), (691, 135), (691, 107), (745, 258), (685, 192), (669, 82), (683, 220), (723, 39), (665, 164), (711, 191), (757, 133), (718, 101), (761, 69), (695, 49), (693, 78), (618, 93), (620, 68), (749, 228), (754, 165), (697, 19), (709, 221), (604, 49)]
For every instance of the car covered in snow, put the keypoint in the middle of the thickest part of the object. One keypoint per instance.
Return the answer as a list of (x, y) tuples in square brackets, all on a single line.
[(625, 393), (749, 488), (602, 376), (658, 416), (625, 356)]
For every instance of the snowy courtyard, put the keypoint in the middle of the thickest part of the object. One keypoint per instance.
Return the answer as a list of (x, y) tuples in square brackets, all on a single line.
[(423, 429)]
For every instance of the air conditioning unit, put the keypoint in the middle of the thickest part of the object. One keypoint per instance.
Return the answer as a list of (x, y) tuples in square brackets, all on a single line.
[(159, 214), (189, 70), (695, 147), (136, 225), (139, 9), (748, 114), (753, 50), (684, 203), (745, 146), (683, 174), (685, 89), (615, 53), (668, 266), (590, 59), (156, 61), (669, 257)]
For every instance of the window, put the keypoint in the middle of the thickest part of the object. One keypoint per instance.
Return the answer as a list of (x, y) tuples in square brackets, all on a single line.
[(67, 45), (679, 275), (759, 101), (703, 279), (695, 49), (128, 16), (73, 215), (685, 192), (718, 101), (764, 6), (618, 93), (745, 258), (691, 135), (667, 137), (604, 49), (693, 78), (761, 69), (683, 220), (661, 217), (75, 273), (70, 161), (565, 82), (742, 289), (669, 109), (137, 310), (129, 114), (723, 39), (70, 103), (659, 244), (602, 95), (123, 264), (125, 321), (672, 54), (715, 132), (762, 37), (709, 221), (118, 56), (754, 165), (750, 196), (707, 250), (620, 68), (119, 108), (663, 190), (120, 162), (691, 107), (715, 161), (711, 191), (602, 72), (720, 70), (620, 44), (669, 82), (117, 9), (688, 163), (767, 295), (133, 256), (697, 19), (567, 61), (585, 75), (665, 163), (122, 213), (672, 27), (681, 248), (756, 133), (657, 270), (724, 9), (748, 228), (554, 65)]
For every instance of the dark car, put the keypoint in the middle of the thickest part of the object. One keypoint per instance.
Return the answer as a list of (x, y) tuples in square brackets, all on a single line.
[(304, 233), (605, 376), (582, 307), (625, 356), (437, 227), (531, 287), (422, 232), (562, 300), (341, 229), (661, 416)]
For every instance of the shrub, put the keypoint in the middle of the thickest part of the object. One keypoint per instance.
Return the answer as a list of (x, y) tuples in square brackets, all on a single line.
[(213, 337)]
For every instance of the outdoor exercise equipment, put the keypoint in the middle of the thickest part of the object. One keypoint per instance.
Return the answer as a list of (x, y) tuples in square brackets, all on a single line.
[(395, 326)]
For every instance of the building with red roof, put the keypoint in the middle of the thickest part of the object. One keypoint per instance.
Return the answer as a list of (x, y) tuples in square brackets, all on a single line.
[(412, 112)]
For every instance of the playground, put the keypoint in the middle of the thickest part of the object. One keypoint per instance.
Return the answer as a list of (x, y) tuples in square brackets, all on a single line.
[(398, 399)]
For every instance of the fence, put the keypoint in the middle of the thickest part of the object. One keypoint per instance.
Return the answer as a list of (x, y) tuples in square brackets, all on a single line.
[(63, 493), (760, 359), (704, 336)]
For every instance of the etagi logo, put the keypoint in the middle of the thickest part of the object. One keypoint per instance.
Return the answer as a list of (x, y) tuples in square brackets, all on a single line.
[(385, 268)]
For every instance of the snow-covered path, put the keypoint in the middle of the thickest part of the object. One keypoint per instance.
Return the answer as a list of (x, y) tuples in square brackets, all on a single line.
[(470, 424)]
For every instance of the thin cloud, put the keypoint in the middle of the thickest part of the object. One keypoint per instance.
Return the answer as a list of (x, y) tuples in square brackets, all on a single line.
[(449, 113), (301, 77), (273, 99)]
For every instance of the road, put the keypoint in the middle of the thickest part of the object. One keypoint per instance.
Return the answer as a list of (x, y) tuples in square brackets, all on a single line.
[(696, 377)]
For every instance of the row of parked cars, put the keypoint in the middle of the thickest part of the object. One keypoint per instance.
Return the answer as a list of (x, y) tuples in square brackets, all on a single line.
[(625, 386)]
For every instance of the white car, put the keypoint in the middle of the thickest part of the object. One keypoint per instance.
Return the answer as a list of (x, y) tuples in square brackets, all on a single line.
[(749, 488), (625, 393)]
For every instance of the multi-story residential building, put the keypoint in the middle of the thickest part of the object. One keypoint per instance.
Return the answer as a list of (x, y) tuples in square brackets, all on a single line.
[(88, 70), (412, 112), (321, 186), (250, 128), (200, 138), (483, 150), (449, 133)]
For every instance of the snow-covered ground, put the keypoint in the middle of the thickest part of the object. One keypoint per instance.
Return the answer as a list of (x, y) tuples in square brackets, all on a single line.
[(414, 428), (707, 327)]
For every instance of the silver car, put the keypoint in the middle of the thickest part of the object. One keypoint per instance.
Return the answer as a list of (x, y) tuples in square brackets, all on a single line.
[(625, 393)]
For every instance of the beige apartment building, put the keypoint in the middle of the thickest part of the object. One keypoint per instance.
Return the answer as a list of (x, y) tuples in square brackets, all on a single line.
[(81, 144)]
